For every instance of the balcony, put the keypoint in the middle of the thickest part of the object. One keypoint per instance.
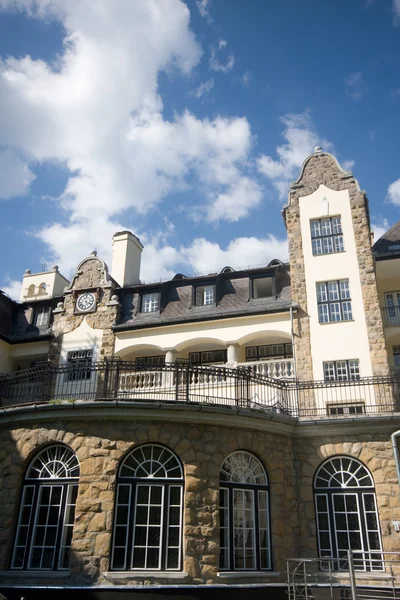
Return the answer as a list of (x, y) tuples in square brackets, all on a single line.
[(247, 386), (391, 315)]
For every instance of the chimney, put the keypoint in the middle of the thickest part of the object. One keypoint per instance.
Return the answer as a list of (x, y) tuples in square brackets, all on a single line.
[(126, 256)]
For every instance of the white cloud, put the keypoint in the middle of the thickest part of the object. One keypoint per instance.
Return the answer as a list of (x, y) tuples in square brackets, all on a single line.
[(348, 165), (380, 228), (237, 202), (396, 11), (15, 175), (204, 9), (97, 111), (203, 89), (204, 256), (356, 88), (393, 193), (12, 288), (301, 137), (216, 64)]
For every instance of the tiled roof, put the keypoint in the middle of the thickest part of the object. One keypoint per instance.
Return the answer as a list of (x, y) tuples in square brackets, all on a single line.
[(388, 242)]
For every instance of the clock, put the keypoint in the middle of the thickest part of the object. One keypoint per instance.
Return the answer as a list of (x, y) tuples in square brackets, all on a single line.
[(85, 302)]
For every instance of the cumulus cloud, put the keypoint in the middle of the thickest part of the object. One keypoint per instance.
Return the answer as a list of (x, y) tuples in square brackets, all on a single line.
[(356, 87), (301, 138), (396, 11), (393, 193), (220, 60), (97, 111), (379, 228), (15, 175), (348, 165), (12, 288)]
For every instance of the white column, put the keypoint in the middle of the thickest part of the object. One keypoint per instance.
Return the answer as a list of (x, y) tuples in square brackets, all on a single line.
[(170, 356), (233, 354)]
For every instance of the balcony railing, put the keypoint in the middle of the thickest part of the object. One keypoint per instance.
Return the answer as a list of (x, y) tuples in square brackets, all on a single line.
[(276, 369), (391, 315), (244, 386)]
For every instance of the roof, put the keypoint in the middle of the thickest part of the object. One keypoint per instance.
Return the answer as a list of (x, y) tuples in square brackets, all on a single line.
[(389, 242)]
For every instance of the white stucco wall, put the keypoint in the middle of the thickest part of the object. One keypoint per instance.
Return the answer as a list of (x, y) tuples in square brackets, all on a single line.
[(347, 339), (82, 338), (55, 284), (260, 329)]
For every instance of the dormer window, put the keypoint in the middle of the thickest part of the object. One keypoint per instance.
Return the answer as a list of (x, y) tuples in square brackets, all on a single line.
[(262, 287), (204, 295), (42, 317), (150, 302)]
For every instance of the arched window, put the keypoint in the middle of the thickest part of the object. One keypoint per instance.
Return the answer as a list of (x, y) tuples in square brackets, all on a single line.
[(42, 288), (148, 512), (347, 517), (47, 511), (31, 290), (245, 543)]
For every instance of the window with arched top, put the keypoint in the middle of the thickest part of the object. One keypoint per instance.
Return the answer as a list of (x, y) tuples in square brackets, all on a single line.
[(147, 531), (42, 288), (245, 541), (31, 290), (346, 512), (47, 511)]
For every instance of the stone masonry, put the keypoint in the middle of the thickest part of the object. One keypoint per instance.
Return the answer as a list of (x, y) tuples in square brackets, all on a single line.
[(322, 168)]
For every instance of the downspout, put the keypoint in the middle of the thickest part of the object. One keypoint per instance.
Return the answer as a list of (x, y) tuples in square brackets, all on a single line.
[(294, 360), (396, 452)]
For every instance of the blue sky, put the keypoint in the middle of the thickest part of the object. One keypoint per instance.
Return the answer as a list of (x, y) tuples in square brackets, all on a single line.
[(185, 122)]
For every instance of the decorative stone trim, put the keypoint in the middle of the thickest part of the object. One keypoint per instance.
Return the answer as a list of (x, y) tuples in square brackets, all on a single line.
[(119, 575)]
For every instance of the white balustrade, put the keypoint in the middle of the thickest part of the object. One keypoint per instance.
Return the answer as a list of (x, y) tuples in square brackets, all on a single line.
[(276, 369)]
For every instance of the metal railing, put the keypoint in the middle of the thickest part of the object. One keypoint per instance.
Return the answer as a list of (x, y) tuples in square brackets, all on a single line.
[(243, 386), (391, 315), (368, 575)]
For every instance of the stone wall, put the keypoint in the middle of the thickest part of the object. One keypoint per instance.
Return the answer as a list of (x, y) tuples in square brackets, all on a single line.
[(101, 445), (291, 460), (321, 168)]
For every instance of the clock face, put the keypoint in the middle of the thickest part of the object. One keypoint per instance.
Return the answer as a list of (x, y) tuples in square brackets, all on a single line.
[(85, 302)]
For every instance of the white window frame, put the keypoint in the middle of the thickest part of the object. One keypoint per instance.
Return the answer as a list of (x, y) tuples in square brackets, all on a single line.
[(334, 301), (341, 370), (42, 316), (150, 302), (205, 295), (326, 236)]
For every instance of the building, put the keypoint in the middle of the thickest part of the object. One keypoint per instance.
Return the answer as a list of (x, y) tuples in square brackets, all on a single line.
[(189, 436)]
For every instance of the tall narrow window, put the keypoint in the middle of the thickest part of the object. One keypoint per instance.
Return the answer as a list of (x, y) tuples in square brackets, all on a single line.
[(79, 364), (42, 316), (244, 514), (326, 236), (47, 511), (392, 308), (347, 518), (334, 301), (148, 513)]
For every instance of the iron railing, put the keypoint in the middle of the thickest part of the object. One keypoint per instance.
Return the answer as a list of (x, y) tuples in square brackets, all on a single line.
[(363, 575), (185, 382)]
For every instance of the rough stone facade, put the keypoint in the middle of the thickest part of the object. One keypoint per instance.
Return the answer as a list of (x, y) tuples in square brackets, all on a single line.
[(323, 169), (91, 275), (290, 455)]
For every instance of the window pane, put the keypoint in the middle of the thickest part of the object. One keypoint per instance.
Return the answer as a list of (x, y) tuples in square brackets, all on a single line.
[(336, 225), (322, 295), (333, 290)]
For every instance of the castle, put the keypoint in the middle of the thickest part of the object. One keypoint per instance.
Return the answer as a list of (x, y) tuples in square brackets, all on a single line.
[(193, 434)]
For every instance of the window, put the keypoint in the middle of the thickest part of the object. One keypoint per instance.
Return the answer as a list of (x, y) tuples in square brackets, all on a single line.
[(345, 506), (396, 357), (392, 306), (346, 409), (42, 288), (341, 370), (148, 512), (245, 543), (42, 316), (268, 352), (326, 236), (150, 302), (334, 301), (209, 356), (31, 290), (79, 363), (262, 287), (47, 512), (204, 295), (150, 361)]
